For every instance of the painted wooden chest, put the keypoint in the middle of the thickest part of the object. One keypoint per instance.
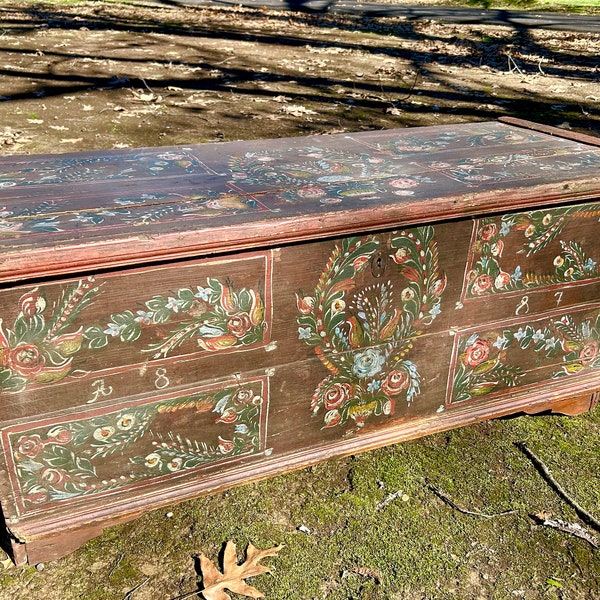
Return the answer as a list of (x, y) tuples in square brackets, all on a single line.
[(175, 321)]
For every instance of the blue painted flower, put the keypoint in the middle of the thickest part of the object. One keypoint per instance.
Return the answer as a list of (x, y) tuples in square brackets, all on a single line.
[(304, 333), (242, 428), (504, 228), (373, 386), (517, 274), (202, 293), (113, 329), (520, 334), (368, 362), (590, 265), (501, 342), (538, 336), (173, 304), (144, 317)]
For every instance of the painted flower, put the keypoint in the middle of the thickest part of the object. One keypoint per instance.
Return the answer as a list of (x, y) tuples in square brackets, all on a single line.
[(368, 363), (228, 416), (202, 293), (396, 381), (502, 280), (305, 304), (336, 395), (144, 317), (29, 445), (244, 396), (126, 422), (481, 284), (476, 353), (239, 324), (401, 256), (103, 433), (404, 182), (173, 304), (488, 231), (530, 231), (225, 446), (438, 286), (54, 476), (113, 329), (497, 248), (311, 192), (175, 464), (338, 306), (589, 353), (407, 294), (304, 333), (32, 303), (547, 219), (152, 460), (60, 435), (332, 418), (25, 359)]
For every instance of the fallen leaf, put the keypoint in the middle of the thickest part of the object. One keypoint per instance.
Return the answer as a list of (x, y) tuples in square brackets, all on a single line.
[(59, 127), (87, 107), (71, 140), (35, 121), (233, 574)]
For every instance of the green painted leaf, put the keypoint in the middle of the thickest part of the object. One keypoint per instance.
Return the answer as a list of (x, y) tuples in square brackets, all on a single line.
[(156, 303), (96, 337), (131, 332), (161, 315)]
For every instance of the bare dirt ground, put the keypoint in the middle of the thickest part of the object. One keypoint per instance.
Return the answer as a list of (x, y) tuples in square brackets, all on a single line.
[(98, 75)]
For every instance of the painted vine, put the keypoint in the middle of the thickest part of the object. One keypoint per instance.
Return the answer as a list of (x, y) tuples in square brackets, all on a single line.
[(41, 344), (483, 366), (363, 336), (538, 228), (60, 462)]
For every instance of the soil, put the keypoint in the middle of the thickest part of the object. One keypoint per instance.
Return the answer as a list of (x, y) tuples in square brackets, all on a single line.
[(97, 75)]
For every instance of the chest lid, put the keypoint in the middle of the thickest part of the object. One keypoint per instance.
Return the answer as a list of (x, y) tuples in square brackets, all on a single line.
[(71, 212)]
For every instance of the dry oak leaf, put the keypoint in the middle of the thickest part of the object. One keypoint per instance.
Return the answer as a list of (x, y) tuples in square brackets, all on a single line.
[(233, 574)]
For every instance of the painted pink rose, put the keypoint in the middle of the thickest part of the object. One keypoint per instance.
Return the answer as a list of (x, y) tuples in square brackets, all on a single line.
[(477, 353), (243, 396), (311, 192), (239, 324), (488, 231), (336, 395), (589, 353), (25, 359), (54, 477), (404, 182), (29, 445), (62, 436), (481, 284), (396, 381)]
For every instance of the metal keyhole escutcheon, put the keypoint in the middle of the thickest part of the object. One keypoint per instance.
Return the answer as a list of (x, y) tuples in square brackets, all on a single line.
[(378, 264)]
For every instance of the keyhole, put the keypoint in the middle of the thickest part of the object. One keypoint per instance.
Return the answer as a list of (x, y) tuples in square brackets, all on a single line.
[(378, 264)]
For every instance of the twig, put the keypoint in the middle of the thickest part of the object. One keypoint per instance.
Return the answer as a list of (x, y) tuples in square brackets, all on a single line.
[(455, 506), (130, 593), (514, 64), (545, 472), (572, 528), (117, 563)]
